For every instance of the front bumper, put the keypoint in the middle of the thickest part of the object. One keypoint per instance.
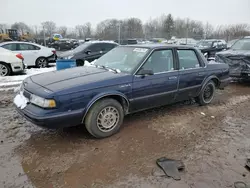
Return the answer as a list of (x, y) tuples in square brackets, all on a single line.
[(55, 121)]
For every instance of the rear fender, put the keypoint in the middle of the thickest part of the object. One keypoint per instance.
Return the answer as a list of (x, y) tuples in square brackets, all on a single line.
[(213, 77), (104, 95)]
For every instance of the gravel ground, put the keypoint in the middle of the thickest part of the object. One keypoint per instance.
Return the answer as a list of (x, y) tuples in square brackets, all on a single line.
[(213, 142)]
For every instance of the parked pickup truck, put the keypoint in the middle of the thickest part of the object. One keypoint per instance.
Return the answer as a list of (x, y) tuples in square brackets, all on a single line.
[(125, 80)]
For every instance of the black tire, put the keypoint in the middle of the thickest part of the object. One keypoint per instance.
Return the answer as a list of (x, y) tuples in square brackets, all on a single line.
[(80, 62), (41, 62), (5, 69), (207, 94), (96, 127)]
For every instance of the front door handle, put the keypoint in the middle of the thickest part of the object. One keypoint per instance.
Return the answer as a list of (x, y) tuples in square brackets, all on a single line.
[(172, 77)]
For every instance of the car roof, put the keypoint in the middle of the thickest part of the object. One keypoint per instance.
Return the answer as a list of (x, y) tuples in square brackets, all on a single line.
[(101, 41), (19, 42), (159, 46)]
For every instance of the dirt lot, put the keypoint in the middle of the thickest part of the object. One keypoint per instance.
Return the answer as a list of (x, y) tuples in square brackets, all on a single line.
[(212, 141)]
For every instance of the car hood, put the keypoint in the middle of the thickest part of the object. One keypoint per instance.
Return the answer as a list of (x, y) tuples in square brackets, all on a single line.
[(238, 61), (66, 54), (87, 77), (231, 52)]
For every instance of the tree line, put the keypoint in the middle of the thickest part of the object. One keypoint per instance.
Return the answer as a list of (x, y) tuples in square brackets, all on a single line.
[(165, 26)]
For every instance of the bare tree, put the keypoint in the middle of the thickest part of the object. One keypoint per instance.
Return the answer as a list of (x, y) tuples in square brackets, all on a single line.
[(49, 27), (63, 30), (208, 30), (88, 30), (132, 28), (21, 27), (3, 27), (153, 28), (108, 29)]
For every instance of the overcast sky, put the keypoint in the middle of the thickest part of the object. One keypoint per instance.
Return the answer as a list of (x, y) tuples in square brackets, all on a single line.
[(74, 12)]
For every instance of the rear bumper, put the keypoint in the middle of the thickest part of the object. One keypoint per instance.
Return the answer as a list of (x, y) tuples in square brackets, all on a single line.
[(52, 58), (224, 83), (61, 120), (17, 67)]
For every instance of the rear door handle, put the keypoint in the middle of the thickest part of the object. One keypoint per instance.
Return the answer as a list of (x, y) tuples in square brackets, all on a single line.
[(201, 74), (172, 77)]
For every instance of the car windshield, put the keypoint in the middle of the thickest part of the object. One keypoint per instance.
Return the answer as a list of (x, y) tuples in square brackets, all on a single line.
[(205, 43), (243, 44), (124, 59), (81, 47)]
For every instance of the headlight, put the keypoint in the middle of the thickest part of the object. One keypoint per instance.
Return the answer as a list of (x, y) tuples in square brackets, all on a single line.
[(44, 103)]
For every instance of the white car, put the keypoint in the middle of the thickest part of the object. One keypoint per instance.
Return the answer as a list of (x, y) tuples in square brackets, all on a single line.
[(10, 62), (34, 54)]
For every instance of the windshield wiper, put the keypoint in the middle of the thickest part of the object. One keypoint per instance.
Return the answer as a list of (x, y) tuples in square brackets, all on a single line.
[(108, 68)]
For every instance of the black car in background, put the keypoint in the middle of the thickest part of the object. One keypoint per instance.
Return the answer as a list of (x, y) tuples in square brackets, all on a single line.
[(126, 41), (89, 51), (64, 44), (238, 58), (211, 46)]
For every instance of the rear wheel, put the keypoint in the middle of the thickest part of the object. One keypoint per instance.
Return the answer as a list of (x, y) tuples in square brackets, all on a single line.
[(206, 94), (4, 69), (41, 62), (104, 118)]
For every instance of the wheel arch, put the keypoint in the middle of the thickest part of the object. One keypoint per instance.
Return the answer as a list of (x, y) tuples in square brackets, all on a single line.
[(40, 57), (213, 78), (7, 64), (120, 97)]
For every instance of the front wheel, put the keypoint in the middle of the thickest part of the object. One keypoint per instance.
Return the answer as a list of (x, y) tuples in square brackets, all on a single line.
[(207, 94), (104, 118)]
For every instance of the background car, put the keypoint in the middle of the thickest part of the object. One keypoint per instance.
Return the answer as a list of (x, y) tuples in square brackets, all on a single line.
[(88, 51), (238, 58), (64, 44), (126, 41), (10, 62), (34, 54), (211, 46)]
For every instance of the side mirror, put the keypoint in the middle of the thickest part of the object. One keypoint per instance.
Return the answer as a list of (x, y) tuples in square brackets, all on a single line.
[(87, 52), (144, 72)]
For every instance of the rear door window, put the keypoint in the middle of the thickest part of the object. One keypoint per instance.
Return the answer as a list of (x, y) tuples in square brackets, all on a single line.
[(12, 46), (95, 48), (24, 47), (107, 47), (188, 59)]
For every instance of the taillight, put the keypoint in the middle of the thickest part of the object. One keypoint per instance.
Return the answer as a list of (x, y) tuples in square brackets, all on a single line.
[(53, 51), (19, 56)]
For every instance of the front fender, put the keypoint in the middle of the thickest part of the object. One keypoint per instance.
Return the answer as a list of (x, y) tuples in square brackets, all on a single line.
[(102, 95)]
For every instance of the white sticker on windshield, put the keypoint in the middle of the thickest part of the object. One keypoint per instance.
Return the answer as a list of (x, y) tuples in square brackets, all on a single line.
[(143, 50)]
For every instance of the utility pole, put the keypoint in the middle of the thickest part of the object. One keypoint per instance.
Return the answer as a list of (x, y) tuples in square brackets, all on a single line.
[(44, 40), (119, 33), (187, 31)]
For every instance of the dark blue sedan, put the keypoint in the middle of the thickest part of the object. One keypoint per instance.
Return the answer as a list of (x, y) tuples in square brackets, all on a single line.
[(125, 80)]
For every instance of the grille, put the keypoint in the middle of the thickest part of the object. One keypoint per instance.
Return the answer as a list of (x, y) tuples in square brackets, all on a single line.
[(27, 94)]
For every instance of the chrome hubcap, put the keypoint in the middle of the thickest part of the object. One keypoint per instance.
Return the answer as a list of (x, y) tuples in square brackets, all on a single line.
[(42, 62), (3, 70), (108, 119)]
